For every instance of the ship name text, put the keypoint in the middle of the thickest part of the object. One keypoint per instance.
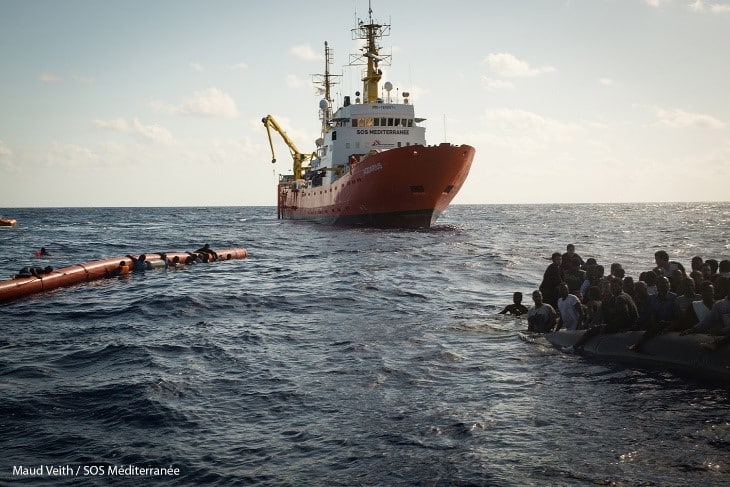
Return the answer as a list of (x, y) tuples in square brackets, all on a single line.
[(370, 169), (382, 132)]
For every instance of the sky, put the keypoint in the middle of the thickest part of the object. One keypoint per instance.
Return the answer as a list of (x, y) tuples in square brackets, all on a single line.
[(138, 103)]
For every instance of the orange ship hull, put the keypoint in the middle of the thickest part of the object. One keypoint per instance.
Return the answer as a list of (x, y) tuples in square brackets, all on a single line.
[(405, 187)]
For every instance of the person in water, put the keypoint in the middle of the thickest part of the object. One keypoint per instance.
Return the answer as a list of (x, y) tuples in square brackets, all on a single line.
[(173, 263), (33, 271), (619, 314), (120, 270), (541, 318), (516, 308), (205, 249), (139, 264), (42, 252)]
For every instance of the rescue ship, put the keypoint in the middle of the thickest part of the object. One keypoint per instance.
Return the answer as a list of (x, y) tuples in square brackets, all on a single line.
[(371, 166)]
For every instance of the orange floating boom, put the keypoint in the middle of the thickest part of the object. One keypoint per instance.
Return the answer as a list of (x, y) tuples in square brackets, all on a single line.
[(91, 271)]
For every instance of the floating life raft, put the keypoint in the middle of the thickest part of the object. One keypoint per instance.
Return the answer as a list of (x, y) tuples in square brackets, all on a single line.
[(91, 271), (670, 351), (7, 222)]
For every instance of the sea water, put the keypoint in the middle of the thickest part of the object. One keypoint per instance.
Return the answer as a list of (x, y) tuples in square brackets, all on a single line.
[(336, 356)]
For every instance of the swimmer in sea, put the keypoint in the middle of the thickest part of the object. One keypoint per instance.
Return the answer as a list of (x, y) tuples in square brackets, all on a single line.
[(205, 249), (42, 253), (120, 270), (541, 318), (516, 308), (33, 271), (139, 264)]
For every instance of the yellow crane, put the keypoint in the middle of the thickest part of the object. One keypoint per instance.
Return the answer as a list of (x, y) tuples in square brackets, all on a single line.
[(299, 158)]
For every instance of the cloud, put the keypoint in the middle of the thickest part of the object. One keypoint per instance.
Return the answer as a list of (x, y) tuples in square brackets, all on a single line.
[(717, 8), (294, 81), (715, 162), (606, 81), (71, 156), (4, 150), (210, 103), (497, 84), (48, 78), (508, 66), (150, 133), (522, 121), (6, 157), (197, 67), (676, 118), (305, 52), (654, 3), (239, 67), (84, 80)]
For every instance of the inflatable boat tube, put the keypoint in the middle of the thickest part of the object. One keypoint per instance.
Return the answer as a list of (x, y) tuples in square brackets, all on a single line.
[(12, 289), (7, 222), (669, 351)]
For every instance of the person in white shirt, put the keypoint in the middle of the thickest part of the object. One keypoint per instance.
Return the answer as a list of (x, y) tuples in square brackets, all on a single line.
[(541, 318), (569, 309)]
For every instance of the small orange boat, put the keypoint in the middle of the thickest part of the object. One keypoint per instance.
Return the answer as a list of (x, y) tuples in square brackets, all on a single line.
[(7, 222), (20, 287)]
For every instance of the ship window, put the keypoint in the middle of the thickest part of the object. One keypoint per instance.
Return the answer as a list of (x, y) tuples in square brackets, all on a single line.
[(334, 135), (382, 122), (390, 122), (448, 188), (354, 122), (410, 122), (399, 144), (347, 145), (366, 122), (397, 122), (377, 122), (418, 189)]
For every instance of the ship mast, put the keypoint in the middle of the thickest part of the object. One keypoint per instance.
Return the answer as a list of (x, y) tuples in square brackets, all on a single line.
[(325, 81), (371, 56)]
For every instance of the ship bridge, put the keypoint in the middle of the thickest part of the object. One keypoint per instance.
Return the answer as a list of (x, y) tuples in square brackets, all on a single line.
[(357, 129)]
